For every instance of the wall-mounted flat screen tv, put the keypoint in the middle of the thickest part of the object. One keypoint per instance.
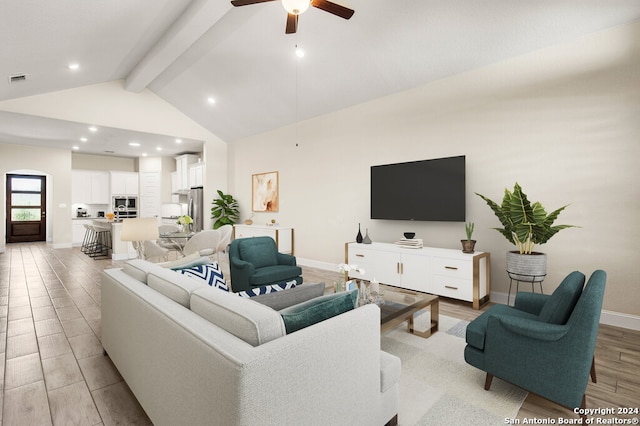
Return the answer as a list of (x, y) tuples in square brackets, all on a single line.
[(428, 190)]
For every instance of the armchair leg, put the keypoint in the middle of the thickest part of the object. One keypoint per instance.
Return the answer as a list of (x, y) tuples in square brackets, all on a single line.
[(487, 381), (393, 421), (593, 370)]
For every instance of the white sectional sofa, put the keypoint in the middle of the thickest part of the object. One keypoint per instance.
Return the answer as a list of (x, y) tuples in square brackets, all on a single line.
[(196, 355)]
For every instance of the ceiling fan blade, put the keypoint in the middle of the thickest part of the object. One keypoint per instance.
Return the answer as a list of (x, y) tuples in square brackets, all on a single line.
[(336, 9), (247, 2), (292, 23)]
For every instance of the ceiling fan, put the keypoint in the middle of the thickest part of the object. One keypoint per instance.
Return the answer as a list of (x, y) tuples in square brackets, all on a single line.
[(297, 7)]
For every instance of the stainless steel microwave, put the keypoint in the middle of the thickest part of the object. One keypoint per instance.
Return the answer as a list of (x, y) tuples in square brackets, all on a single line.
[(124, 202)]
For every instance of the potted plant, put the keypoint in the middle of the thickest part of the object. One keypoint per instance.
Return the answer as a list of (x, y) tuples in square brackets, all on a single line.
[(525, 224), (468, 244), (225, 210)]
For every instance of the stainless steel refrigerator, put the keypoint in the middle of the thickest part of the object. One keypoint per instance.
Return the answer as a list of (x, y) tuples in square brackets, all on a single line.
[(195, 208)]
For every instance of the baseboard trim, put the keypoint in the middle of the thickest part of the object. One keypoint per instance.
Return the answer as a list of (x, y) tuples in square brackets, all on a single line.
[(61, 245), (612, 318), (618, 319), (327, 266)]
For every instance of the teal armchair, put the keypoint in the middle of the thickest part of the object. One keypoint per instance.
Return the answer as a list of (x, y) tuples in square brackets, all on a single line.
[(545, 344), (256, 262)]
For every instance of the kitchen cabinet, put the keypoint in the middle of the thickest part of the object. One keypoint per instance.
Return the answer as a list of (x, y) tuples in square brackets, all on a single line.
[(90, 187), (282, 235), (124, 183), (196, 175), (444, 272), (78, 230), (182, 170)]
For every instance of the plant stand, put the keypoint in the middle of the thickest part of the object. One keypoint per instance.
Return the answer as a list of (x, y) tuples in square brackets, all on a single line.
[(518, 278)]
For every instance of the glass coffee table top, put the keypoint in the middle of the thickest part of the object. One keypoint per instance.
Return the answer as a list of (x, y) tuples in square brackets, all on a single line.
[(399, 305)]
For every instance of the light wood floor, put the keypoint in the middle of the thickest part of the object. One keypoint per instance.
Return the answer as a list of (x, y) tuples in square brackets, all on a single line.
[(53, 370)]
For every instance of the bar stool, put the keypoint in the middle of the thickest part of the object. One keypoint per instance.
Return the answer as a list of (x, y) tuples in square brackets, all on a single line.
[(88, 240), (102, 240)]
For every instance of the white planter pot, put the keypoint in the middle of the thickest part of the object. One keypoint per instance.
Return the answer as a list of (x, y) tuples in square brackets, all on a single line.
[(527, 267)]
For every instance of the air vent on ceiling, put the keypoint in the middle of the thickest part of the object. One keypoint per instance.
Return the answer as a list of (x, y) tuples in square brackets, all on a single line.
[(15, 78)]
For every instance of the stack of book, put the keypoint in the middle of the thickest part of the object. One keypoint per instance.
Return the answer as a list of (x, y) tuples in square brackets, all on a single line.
[(410, 243)]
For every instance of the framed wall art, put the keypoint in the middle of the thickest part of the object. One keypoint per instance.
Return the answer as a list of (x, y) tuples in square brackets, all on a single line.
[(264, 192)]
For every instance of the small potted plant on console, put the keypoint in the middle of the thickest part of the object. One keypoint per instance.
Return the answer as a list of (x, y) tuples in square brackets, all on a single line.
[(468, 244)]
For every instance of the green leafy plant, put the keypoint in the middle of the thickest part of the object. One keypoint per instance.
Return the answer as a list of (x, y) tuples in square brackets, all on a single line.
[(524, 224), (469, 229), (225, 210)]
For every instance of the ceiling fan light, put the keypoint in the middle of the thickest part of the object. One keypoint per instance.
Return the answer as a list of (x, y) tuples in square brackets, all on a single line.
[(296, 7)]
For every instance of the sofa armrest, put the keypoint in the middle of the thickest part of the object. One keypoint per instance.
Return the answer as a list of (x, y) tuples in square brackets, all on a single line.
[(286, 259), (530, 302)]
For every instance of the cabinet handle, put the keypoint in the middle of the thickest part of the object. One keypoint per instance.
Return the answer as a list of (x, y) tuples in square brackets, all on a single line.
[(397, 267), (359, 255), (451, 267), (450, 287), (402, 268)]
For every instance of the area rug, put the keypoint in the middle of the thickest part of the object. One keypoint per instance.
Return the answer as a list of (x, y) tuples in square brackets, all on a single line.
[(437, 387)]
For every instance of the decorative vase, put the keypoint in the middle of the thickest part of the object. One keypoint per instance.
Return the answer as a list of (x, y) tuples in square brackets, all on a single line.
[(366, 239), (526, 267), (359, 236), (468, 246)]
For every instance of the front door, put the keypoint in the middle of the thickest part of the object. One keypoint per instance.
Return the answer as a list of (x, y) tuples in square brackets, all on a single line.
[(26, 208)]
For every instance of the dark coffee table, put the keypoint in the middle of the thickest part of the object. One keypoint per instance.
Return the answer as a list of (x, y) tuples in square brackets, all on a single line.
[(401, 305)]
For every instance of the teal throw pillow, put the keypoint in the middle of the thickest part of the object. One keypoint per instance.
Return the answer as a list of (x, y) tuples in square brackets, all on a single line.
[(319, 309)]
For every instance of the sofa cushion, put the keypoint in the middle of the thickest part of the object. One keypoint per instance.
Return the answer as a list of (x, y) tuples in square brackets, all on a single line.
[(319, 309), (210, 274), (138, 269), (390, 368), (267, 289), (175, 286), (248, 320), (283, 299), (273, 274), (259, 252), (557, 309)]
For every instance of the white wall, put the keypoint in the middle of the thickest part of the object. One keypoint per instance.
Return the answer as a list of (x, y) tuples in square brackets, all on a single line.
[(56, 164), (562, 121), (108, 104)]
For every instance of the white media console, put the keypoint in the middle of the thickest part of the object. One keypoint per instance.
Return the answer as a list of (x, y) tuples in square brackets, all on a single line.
[(444, 272)]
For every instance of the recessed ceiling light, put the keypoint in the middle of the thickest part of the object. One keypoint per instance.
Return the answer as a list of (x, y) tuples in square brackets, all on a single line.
[(74, 66), (159, 148), (299, 52), (211, 100), (93, 129), (76, 147), (134, 144), (178, 140), (83, 139), (144, 154)]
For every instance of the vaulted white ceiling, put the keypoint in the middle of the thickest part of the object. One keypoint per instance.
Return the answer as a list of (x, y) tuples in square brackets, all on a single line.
[(188, 51)]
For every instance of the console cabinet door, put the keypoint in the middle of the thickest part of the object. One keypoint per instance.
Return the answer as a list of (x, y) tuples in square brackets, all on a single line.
[(388, 267), (415, 271)]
